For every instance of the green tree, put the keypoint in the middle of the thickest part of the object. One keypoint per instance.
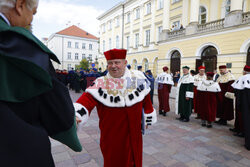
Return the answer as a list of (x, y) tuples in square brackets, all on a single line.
[(83, 64)]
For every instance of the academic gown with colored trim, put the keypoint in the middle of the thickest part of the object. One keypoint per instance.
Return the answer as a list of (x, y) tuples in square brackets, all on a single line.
[(120, 122), (34, 104), (184, 90), (225, 109), (165, 83), (207, 97), (197, 78), (243, 87)]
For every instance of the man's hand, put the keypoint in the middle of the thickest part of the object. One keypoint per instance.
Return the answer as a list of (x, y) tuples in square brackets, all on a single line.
[(187, 98), (78, 120)]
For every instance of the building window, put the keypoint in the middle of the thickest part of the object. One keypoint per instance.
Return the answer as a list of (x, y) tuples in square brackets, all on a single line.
[(117, 42), (147, 37), (160, 4), (90, 57), (69, 67), (137, 13), (175, 26), (90, 47), (159, 32), (69, 44), (76, 56), (76, 45), (202, 15), (117, 22), (137, 40), (104, 28), (103, 47), (128, 42), (110, 25), (83, 56), (228, 6), (146, 65), (128, 18), (69, 56), (83, 46), (110, 43), (148, 11), (174, 1)]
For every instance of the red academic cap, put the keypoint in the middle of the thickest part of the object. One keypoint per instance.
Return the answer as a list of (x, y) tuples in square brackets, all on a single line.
[(210, 74), (115, 54), (222, 67), (201, 68), (165, 68), (247, 68)]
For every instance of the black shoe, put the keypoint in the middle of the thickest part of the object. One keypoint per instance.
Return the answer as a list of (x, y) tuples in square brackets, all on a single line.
[(240, 134), (203, 124), (209, 126), (160, 112), (224, 122), (218, 122), (185, 120), (248, 148), (164, 114), (233, 130), (179, 118)]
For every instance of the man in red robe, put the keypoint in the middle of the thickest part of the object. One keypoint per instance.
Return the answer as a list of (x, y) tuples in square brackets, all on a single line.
[(207, 93), (120, 97), (197, 79), (165, 83), (225, 111)]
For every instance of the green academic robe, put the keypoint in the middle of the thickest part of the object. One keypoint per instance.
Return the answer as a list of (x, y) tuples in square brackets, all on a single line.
[(34, 104), (184, 90)]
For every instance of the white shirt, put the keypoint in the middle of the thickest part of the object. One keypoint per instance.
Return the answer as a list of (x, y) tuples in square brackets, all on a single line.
[(5, 19)]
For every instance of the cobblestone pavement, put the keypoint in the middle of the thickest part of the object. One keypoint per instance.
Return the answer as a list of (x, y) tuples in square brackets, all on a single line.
[(169, 143)]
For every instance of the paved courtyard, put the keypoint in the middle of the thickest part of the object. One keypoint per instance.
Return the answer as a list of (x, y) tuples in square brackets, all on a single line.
[(169, 143)]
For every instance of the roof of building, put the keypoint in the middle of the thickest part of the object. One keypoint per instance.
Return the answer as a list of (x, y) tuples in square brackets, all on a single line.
[(76, 32)]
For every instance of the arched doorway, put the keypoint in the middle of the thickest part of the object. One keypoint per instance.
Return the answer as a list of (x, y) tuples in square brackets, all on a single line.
[(134, 65), (145, 66), (175, 62), (209, 58), (248, 56), (155, 68)]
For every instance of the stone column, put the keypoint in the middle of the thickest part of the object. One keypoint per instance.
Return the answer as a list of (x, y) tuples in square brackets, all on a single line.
[(194, 17), (235, 16), (166, 20), (185, 7)]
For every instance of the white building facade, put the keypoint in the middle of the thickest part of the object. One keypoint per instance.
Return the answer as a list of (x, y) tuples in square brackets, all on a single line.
[(71, 46)]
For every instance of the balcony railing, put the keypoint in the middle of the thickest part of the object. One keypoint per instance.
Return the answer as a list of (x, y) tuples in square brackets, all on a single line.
[(176, 33), (246, 17), (211, 26)]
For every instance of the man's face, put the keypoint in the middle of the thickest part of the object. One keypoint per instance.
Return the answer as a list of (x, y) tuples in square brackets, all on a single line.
[(23, 16), (202, 72), (116, 67), (185, 71), (223, 71)]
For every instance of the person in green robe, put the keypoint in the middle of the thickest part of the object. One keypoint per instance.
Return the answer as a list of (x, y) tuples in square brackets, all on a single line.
[(34, 104), (184, 95)]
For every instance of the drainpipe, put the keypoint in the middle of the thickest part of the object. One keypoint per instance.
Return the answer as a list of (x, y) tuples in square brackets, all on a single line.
[(123, 7)]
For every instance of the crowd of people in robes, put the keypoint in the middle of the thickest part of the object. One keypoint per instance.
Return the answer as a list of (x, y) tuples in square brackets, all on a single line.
[(211, 96), (79, 79)]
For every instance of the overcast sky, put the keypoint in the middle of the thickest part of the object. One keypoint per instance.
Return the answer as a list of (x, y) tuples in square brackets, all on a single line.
[(53, 15)]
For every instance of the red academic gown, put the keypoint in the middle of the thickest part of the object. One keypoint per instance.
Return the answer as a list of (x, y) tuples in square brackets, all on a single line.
[(207, 105), (121, 137), (163, 96), (225, 109), (207, 98)]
